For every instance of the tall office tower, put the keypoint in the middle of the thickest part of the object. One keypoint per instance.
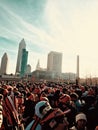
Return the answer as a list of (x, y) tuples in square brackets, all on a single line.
[(4, 64), (28, 69), (22, 45), (54, 63), (24, 62), (77, 73)]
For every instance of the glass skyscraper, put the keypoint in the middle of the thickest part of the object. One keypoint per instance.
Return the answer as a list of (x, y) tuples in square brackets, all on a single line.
[(24, 62)]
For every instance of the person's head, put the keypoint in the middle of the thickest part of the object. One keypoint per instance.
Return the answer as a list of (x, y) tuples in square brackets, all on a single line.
[(55, 120), (31, 97), (65, 98), (5, 92), (41, 108), (96, 128), (74, 96), (89, 100), (81, 120)]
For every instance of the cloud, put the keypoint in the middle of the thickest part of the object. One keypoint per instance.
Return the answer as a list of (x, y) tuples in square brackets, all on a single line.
[(26, 29)]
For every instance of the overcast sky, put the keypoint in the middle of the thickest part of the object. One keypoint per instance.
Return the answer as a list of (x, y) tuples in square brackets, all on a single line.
[(66, 26)]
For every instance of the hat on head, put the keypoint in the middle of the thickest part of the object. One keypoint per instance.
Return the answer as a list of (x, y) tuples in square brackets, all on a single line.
[(81, 116), (44, 99), (64, 98), (41, 108)]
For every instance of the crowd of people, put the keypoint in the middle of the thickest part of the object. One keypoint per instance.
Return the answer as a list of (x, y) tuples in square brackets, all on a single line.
[(48, 106)]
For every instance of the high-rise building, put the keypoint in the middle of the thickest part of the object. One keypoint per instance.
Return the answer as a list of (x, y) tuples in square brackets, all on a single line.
[(24, 62), (4, 64), (77, 73), (54, 63), (22, 46)]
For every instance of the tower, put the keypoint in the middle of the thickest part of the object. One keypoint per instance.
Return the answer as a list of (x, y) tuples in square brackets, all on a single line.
[(22, 46), (54, 63), (77, 73), (24, 62), (4, 64)]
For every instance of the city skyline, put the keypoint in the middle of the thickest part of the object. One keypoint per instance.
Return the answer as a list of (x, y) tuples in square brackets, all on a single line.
[(69, 27)]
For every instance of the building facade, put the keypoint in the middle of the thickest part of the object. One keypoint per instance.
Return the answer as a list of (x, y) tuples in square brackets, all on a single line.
[(22, 46), (4, 64), (54, 63), (24, 62)]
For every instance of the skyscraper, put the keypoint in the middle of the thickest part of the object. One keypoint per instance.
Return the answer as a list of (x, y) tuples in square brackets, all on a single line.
[(54, 63), (4, 64), (24, 62), (22, 46), (77, 73)]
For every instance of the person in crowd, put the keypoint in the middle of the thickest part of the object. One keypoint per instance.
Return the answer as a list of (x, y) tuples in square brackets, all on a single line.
[(11, 119), (64, 104), (76, 101), (29, 105), (35, 123), (55, 120), (1, 117), (80, 122), (91, 112)]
